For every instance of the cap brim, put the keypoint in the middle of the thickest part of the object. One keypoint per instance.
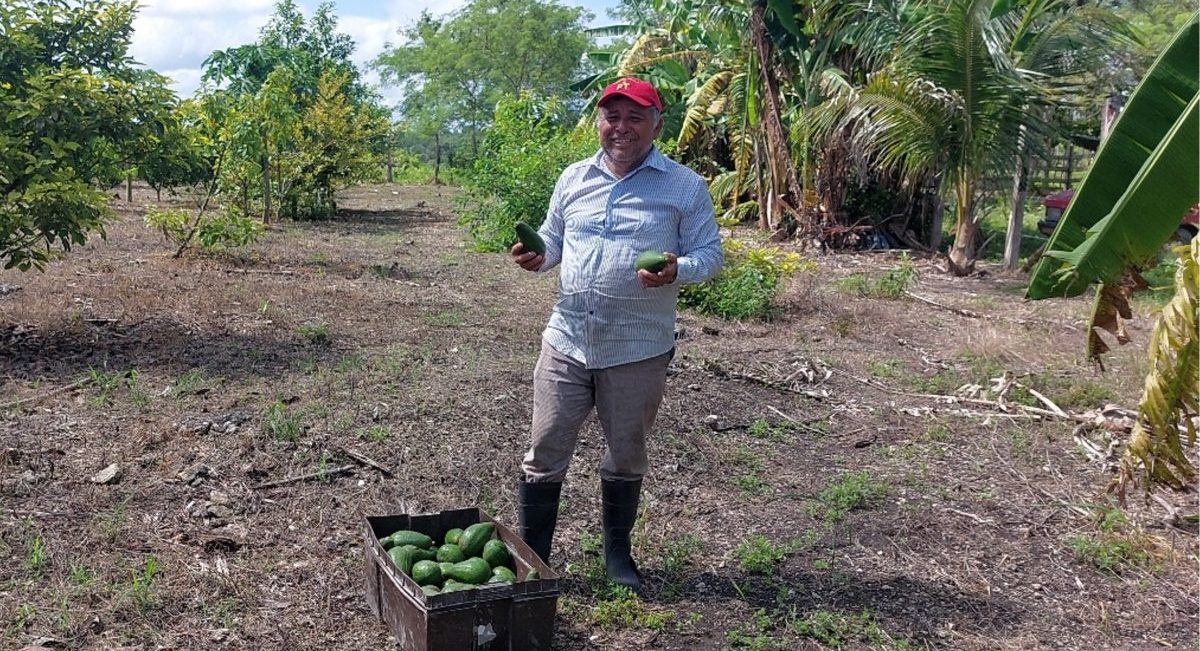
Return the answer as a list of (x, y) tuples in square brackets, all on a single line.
[(636, 100)]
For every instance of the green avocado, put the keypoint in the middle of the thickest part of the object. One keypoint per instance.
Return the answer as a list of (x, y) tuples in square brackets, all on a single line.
[(652, 261), (426, 573), (473, 570), (402, 557), (502, 574), (495, 552), (530, 240), (449, 553), (414, 538), (452, 536), (473, 539)]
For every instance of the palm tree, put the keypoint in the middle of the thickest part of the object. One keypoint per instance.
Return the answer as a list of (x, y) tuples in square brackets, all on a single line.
[(952, 102)]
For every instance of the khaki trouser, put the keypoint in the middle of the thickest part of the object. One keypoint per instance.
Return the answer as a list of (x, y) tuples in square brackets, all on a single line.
[(626, 399)]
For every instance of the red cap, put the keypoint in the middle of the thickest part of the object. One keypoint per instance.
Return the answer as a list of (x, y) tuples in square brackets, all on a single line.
[(635, 89)]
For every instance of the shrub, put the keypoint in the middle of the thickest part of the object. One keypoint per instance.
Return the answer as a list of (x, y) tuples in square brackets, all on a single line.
[(521, 158), (747, 285), (214, 232)]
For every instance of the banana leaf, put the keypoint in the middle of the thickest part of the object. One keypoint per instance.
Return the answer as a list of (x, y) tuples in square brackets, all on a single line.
[(1143, 180)]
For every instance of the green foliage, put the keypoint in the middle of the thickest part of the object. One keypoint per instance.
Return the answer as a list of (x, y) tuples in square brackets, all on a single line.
[(35, 555), (289, 119), (503, 47), (281, 424), (758, 555), (313, 331), (140, 582), (520, 160), (375, 433), (893, 284), (625, 609), (747, 284), (1109, 553), (72, 107), (838, 629), (214, 232), (848, 492)]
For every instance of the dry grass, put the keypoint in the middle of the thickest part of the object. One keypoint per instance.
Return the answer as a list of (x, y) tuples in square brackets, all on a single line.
[(381, 332)]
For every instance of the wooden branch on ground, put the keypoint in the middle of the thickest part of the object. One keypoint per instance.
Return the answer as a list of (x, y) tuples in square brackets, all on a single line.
[(320, 474), (765, 382), (1079, 418), (366, 461), (1046, 401), (803, 426), (33, 399), (267, 272), (966, 313)]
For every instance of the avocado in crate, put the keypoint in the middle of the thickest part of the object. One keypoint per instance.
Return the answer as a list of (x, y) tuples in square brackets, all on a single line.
[(449, 581)]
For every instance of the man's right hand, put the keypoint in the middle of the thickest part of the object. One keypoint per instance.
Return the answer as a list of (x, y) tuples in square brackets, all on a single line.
[(527, 260)]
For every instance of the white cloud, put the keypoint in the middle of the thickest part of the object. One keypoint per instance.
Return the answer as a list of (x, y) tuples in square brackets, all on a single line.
[(168, 42), (370, 36)]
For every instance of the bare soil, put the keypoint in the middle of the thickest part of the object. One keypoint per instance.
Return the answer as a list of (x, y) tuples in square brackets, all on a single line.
[(982, 525)]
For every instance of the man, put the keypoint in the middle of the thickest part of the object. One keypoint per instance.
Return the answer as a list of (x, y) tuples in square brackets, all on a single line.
[(611, 334)]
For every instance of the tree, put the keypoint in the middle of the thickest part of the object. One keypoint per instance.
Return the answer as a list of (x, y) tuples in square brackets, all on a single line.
[(71, 102), (274, 85), (1144, 177), (966, 79), (458, 67)]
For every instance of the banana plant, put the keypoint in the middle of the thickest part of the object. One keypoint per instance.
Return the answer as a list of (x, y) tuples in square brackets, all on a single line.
[(1143, 179)]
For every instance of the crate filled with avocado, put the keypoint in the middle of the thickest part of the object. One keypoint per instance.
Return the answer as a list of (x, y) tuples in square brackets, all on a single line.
[(458, 580)]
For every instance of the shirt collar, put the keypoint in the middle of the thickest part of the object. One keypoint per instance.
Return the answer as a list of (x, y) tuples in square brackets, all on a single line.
[(654, 159)]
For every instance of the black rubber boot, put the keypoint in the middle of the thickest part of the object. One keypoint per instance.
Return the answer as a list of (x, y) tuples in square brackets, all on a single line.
[(620, 506), (537, 514)]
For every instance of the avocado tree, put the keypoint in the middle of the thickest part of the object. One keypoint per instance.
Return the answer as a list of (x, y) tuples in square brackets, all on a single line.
[(272, 87), (71, 102)]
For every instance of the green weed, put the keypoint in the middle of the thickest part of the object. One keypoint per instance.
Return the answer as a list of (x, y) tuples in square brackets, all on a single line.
[(375, 433), (140, 584), (112, 521), (35, 556), (838, 629), (848, 492), (762, 429), (191, 382), (893, 284), (314, 331), (81, 575), (623, 608), (884, 368), (281, 424)]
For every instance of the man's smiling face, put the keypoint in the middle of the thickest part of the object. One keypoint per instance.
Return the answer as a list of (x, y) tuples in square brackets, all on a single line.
[(627, 131)]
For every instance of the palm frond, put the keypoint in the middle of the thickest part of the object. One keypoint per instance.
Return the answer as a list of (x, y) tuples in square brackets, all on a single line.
[(700, 103)]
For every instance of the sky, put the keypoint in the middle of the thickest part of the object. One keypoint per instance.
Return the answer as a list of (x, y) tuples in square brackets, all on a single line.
[(174, 37)]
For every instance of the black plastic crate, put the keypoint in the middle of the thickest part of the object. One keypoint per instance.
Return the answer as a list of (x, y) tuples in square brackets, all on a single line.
[(499, 617)]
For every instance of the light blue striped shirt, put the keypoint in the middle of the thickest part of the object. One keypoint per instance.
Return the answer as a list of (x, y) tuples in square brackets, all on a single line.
[(595, 227)]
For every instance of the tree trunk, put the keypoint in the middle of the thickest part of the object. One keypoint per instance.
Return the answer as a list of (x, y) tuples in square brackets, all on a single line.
[(437, 156), (129, 188), (265, 161), (779, 161), (1016, 218), (760, 189), (266, 189), (1070, 166), (390, 163), (962, 253)]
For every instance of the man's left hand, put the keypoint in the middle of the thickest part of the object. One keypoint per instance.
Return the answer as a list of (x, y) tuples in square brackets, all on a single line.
[(664, 277)]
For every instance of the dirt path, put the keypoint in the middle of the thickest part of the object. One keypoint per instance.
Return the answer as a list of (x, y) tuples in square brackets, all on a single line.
[(799, 499)]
